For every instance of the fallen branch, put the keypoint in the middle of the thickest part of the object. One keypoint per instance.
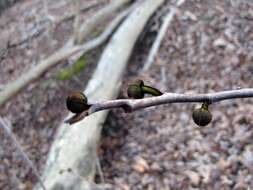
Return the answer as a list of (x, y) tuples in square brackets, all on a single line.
[(154, 49), (135, 104), (41, 29), (83, 9), (36, 72)]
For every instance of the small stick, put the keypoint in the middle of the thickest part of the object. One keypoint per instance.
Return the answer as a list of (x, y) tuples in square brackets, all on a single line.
[(7, 129), (100, 172), (135, 104), (154, 49)]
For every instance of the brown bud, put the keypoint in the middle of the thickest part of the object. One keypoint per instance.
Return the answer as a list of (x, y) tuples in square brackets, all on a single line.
[(76, 102)]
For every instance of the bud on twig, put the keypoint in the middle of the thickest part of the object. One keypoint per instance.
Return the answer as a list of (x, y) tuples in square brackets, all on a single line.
[(76, 102), (137, 90), (202, 116)]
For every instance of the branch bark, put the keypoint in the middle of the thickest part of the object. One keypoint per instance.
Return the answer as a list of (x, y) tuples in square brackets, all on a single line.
[(75, 147), (132, 104)]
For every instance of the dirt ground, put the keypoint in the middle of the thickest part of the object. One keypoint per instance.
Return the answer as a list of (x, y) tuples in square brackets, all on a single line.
[(208, 47)]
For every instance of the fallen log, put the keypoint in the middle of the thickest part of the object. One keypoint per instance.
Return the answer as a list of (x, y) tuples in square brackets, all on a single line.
[(74, 148)]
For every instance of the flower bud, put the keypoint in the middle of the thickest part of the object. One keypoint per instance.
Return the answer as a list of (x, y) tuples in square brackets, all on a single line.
[(76, 102), (202, 116), (135, 90)]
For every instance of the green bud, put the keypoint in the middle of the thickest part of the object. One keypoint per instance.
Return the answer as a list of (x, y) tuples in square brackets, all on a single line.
[(76, 102), (202, 116), (135, 90)]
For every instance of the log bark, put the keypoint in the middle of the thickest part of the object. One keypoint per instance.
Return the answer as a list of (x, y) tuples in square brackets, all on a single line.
[(75, 146)]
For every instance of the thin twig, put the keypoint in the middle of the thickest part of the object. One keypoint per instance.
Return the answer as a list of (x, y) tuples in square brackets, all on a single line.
[(3, 54), (7, 129), (130, 105), (51, 20), (100, 171), (154, 49), (83, 9), (77, 21)]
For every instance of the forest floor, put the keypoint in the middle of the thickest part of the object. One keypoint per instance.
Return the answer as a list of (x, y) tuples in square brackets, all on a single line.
[(207, 48)]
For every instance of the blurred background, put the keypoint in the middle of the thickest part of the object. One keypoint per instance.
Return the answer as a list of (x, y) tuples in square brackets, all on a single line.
[(208, 47)]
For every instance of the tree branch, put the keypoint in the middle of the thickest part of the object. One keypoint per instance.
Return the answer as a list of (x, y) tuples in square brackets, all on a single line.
[(130, 105)]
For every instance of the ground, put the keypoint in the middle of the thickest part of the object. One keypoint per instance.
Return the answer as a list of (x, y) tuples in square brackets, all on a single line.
[(208, 47)]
